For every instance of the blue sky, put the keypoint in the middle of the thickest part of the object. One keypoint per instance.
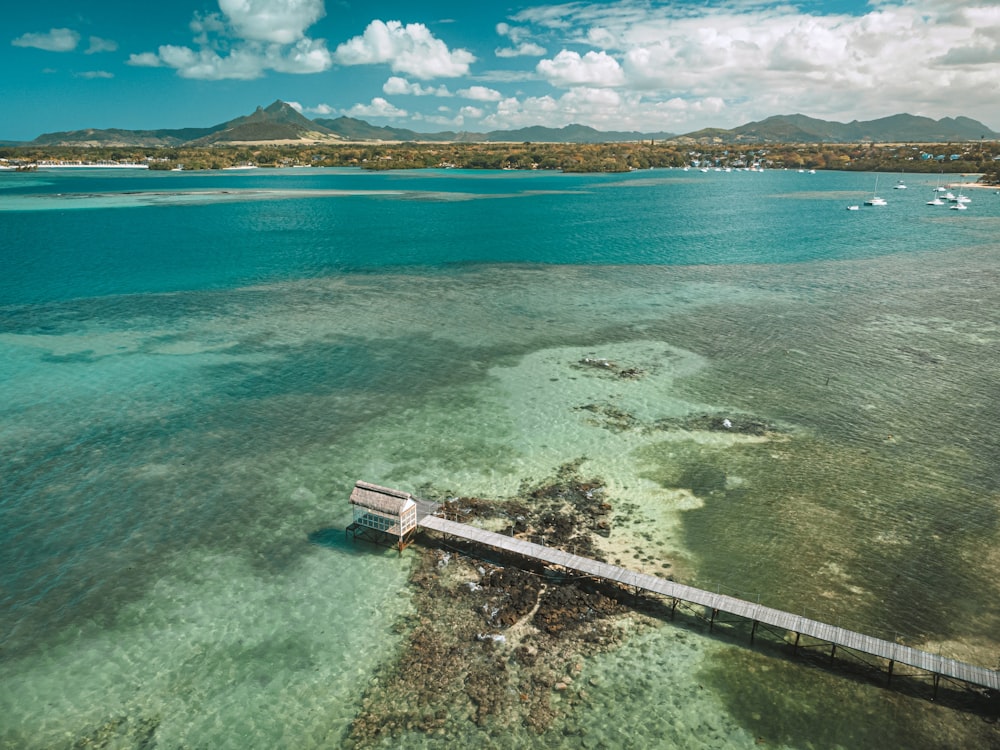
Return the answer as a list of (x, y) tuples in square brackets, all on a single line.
[(443, 64)]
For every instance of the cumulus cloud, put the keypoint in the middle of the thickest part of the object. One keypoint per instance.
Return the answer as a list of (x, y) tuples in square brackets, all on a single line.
[(397, 85), (569, 68), (145, 60), (481, 94), (409, 49), (53, 40), (101, 45), (245, 40), (95, 74), (519, 48), (321, 109), (378, 107), (524, 49), (279, 21), (602, 108), (757, 59)]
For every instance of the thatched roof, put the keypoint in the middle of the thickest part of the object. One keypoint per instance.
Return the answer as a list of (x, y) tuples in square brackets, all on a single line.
[(380, 499)]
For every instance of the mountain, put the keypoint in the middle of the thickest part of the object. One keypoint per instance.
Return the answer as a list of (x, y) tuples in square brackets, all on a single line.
[(358, 130), (114, 137), (904, 128), (278, 122), (282, 123)]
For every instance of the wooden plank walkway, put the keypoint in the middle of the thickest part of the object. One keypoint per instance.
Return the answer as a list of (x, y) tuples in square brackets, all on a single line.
[(715, 603)]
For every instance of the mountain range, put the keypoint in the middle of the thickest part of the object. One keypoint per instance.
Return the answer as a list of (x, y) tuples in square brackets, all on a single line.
[(280, 123)]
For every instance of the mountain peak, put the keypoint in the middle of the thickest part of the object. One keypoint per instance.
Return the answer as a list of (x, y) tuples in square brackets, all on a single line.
[(278, 121)]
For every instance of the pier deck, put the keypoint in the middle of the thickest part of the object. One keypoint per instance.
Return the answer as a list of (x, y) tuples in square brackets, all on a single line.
[(935, 664)]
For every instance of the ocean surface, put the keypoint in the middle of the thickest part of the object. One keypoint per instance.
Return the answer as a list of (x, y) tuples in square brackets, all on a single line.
[(196, 367)]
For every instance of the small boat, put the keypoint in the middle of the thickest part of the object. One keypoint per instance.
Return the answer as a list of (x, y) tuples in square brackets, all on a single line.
[(854, 208), (935, 202), (899, 185), (875, 200), (959, 207)]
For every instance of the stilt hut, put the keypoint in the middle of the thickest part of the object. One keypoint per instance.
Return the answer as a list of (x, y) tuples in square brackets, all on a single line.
[(382, 514)]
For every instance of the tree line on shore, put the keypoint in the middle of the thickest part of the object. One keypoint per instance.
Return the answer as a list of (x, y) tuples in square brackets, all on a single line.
[(978, 157)]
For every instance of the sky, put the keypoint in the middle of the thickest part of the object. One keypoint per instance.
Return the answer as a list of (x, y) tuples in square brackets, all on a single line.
[(478, 65)]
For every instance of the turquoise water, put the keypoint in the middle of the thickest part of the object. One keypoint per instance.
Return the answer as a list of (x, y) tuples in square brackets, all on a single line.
[(196, 367)]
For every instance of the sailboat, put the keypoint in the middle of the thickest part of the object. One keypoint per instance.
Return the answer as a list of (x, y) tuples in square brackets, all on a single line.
[(875, 200)]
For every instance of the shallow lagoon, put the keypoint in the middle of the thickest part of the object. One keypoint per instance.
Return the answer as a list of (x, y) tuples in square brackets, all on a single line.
[(189, 388)]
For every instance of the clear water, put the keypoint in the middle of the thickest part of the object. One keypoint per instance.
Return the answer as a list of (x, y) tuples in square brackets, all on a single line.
[(196, 367)]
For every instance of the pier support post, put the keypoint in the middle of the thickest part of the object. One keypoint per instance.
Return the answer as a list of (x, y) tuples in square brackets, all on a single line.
[(673, 608), (711, 623), (833, 652), (937, 679), (892, 663), (795, 648), (753, 631)]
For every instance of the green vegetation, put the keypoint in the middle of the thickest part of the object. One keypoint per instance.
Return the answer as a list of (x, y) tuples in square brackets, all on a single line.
[(969, 157)]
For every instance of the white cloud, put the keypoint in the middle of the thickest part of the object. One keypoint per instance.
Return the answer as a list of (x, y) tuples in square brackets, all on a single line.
[(514, 33), (247, 39), (409, 49), (445, 119), (378, 107), (520, 47), (481, 94), (524, 49), (568, 68), (101, 45), (54, 40), (145, 60), (601, 108), (321, 109), (397, 85), (95, 74), (305, 56), (919, 56), (279, 21)]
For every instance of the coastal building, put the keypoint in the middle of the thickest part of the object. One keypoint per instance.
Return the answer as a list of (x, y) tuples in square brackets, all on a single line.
[(383, 515)]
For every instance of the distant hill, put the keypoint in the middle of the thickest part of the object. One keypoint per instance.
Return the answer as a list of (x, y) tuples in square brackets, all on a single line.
[(277, 122), (572, 134), (280, 122), (359, 130), (802, 129), (114, 137), (352, 129)]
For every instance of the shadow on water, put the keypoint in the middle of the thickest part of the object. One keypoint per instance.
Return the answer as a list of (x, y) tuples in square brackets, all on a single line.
[(768, 651), (804, 658), (336, 538)]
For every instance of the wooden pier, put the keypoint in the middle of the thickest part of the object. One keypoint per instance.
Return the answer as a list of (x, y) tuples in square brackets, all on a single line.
[(714, 604)]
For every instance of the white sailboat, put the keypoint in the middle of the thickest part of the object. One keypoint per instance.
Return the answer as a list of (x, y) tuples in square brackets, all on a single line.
[(875, 200)]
